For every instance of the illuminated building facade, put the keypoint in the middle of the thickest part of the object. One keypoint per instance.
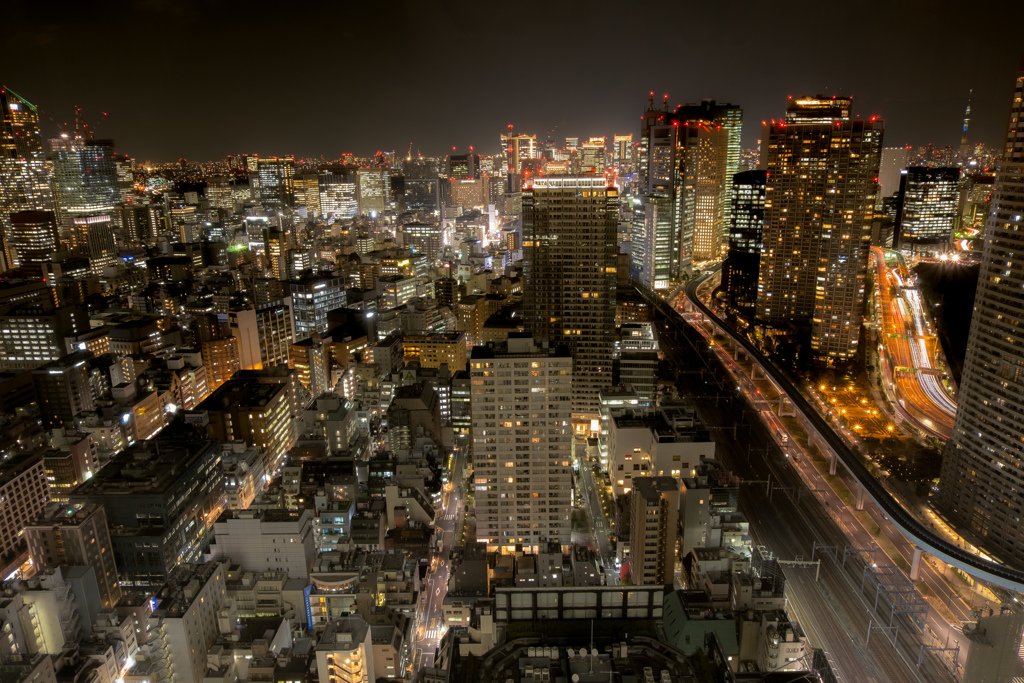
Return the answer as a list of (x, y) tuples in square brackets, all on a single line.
[(338, 195), (275, 182), (592, 156), (740, 270), (32, 238), (522, 444), (24, 170), (312, 297), (927, 207), (374, 188), (981, 487), (570, 259), (819, 201)]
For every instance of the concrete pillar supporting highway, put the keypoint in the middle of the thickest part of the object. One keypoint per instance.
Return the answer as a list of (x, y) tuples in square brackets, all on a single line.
[(833, 464), (915, 565), (739, 353), (756, 371), (860, 497)]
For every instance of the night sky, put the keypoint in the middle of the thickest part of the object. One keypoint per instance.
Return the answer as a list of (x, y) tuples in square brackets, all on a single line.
[(202, 80)]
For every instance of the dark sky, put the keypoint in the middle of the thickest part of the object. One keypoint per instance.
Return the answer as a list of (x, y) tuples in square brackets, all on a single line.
[(205, 79)]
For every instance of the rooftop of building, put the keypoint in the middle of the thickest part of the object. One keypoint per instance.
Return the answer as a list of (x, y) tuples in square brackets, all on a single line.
[(651, 488), (238, 392), (262, 514), (344, 634), (148, 467), (183, 585), (56, 514)]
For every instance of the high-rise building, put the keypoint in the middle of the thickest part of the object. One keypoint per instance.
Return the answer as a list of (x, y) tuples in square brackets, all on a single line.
[(654, 523), (592, 156), (35, 334), (623, 150), (927, 207), (517, 148), (819, 201), (258, 413), (740, 270), (423, 238), (263, 334), (161, 498), (701, 198), (63, 389), (25, 492), (894, 160), (31, 238), (92, 235), (981, 487), (221, 360), (76, 535), (422, 188), (275, 182), (24, 170), (464, 166), (570, 259), (338, 195), (522, 444), (312, 297), (84, 179), (374, 189)]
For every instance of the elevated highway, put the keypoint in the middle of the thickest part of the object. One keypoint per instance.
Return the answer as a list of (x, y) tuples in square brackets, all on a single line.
[(835, 447)]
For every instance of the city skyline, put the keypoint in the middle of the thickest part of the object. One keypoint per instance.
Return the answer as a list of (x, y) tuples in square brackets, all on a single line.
[(221, 106)]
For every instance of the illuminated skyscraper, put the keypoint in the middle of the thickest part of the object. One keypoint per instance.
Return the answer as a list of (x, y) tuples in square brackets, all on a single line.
[(374, 189), (275, 182), (592, 158), (32, 238), (569, 264), (523, 483), (739, 272), (85, 178), (24, 171), (93, 237), (518, 147), (623, 150), (982, 483), (927, 207), (338, 194), (702, 154), (819, 201)]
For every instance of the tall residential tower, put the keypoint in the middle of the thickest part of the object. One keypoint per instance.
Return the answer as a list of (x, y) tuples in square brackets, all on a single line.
[(981, 486), (819, 200)]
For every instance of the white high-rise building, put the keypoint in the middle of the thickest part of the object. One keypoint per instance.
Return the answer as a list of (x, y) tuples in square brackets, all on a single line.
[(522, 444), (981, 487)]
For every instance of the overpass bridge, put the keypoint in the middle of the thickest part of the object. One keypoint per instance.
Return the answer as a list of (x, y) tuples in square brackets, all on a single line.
[(836, 449)]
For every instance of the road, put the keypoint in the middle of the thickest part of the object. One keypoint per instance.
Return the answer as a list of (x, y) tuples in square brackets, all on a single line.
[(832, 611), (429, 625), (601, 525), (910, 368)]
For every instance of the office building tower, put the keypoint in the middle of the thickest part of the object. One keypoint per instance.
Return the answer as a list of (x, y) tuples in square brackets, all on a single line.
[(927, 208), (161, 497), (275, 244), (423, 238), (701, 198), (134, 222), (570, 258), (623, 150), (63, 389), (307, 193), (339, 197), (741, 267), (654, 523), (518, 147), (92, 236), (592, 156), (894, 160), (422, 186), (975, 200), (220, 360), (374, 190), (464, 166), (24, 171), (274, 185), (728, 119), (31, 238), (311, 360), (819, 201), (312, 297), (981, 487), (258, 413), (76, 535), (263, 334), (638, 360), (34, 333), (522, 444), (84, 179)]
